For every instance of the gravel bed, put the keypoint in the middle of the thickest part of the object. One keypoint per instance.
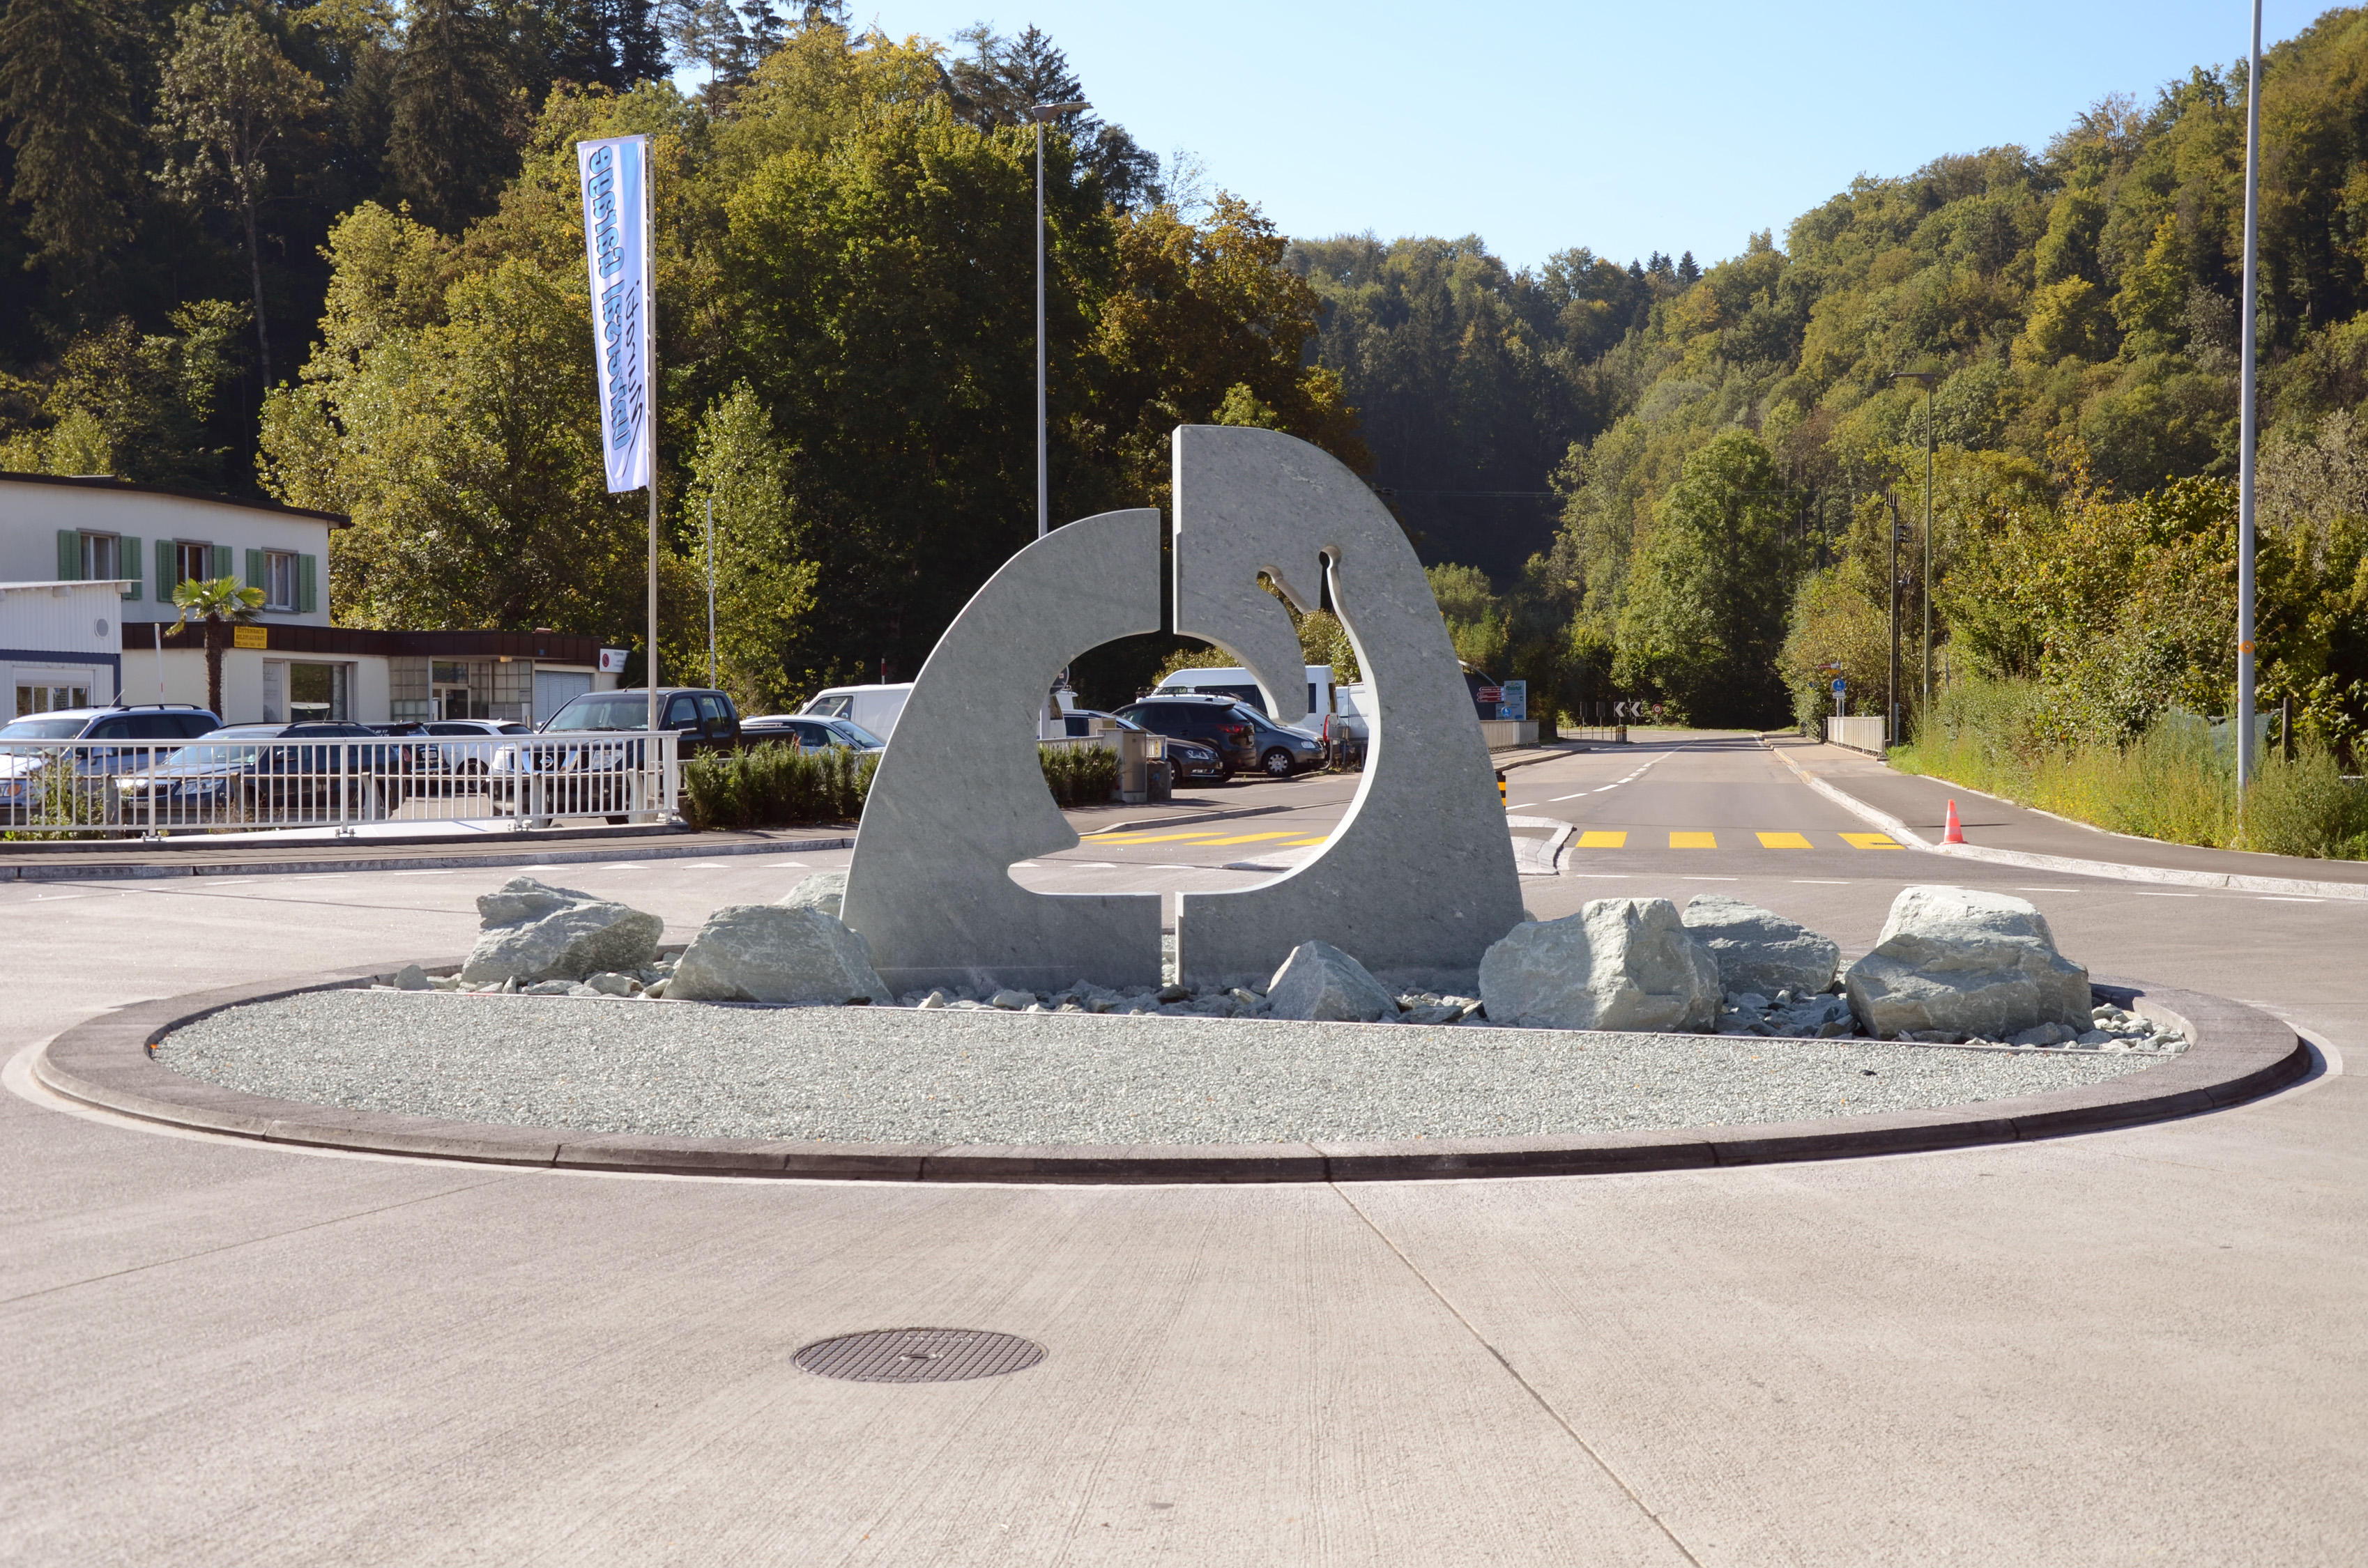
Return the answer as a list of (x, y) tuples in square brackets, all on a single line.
[(898, 1075)]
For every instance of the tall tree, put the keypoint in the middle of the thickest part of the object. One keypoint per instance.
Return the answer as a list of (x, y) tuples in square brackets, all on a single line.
[(639, 50), (231, 106), (65, 90), (449, 149)]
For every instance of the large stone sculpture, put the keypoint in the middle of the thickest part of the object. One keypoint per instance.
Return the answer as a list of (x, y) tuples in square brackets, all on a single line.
[(1417, 880), (960, 797), (1420, 877)]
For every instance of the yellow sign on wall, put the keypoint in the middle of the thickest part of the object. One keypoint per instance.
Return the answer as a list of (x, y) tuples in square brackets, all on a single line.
[(250, 637)]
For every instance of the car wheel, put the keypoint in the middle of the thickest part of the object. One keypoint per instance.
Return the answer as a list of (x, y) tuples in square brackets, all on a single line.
[(1277, 763)]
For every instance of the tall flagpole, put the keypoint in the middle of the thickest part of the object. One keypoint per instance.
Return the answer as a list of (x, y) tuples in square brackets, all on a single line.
[(2244, 760), (650, 352)]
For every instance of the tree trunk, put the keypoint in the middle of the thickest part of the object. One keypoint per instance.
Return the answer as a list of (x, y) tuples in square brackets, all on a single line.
[(214, 669), (262, 332)]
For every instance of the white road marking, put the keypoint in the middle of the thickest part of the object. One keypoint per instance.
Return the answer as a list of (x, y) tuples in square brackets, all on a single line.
[(2144, 894), (1560, 799), (1710, 879), (2282, 898)]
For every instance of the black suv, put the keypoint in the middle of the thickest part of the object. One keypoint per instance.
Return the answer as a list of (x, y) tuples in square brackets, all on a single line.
[(1213, 721), (32, 777)]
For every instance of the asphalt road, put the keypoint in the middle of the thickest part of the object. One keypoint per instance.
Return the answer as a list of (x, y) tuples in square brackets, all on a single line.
[(2142, 1347)]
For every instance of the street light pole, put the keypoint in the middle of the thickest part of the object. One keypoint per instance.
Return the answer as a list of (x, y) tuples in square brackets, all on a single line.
[(1040, 114), (1927, 380), (711, 590), (1890, 712), (2245, 764)]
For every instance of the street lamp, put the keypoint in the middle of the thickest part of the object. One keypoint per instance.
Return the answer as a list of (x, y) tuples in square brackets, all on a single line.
[(1927, 379), (1040, 114), (2245, 765)]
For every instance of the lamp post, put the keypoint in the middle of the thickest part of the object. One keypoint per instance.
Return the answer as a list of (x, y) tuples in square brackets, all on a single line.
[(1891, 711), (1040, 114), (711, 590), (1927, 379), (2244, 763)]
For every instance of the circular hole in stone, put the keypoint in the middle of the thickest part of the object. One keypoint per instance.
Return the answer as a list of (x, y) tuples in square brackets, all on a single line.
[(920, 1355)]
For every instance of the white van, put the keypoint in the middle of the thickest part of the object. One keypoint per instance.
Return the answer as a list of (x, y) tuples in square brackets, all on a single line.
[(874, 706), (1234, 681)]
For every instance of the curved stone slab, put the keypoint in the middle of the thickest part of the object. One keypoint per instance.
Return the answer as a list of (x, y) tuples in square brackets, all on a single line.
[(1420, 877), (959, 797)]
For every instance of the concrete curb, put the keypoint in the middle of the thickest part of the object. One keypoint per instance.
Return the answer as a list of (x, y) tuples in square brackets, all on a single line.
[(2238, 1054), (2169, 876), (630, 850)]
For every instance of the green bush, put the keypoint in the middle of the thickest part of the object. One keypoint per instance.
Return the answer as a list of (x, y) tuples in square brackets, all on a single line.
[(774, 785), (2171, 782), (1080, 776)]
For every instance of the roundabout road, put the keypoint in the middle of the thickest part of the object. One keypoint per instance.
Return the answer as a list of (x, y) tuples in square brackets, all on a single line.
[(2133, 1347)]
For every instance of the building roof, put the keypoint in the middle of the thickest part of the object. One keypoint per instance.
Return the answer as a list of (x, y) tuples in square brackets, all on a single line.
[(109, 483), (282, 637)]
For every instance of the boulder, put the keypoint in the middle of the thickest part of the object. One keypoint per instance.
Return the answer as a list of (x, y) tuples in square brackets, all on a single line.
[(1320, 982), (531, 932), (822, 890), (1618, 963), (1955, 962), (1757, 949), (762, 952)]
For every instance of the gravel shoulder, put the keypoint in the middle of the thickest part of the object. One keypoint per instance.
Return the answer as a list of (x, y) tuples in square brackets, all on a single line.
[(898, 1075)]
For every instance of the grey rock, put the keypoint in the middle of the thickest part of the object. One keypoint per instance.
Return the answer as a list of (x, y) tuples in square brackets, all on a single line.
[(825, 891), (551, 988), (1172, 993), (2096, 1037), (935, 999), (1963, 962), (1012, 1001), (410, 977), (532, 932), (1320, 982), (763, 952), (608, 983), (1618, 963), (2056, 1034), (1759, 950)]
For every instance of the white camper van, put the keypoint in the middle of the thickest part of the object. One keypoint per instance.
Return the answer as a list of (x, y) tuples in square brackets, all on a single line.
[(1234, 681), (874, 706)]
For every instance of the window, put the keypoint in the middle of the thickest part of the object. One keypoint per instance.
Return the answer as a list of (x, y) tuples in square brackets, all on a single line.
[(682, 714), (102, 557), (50, 699), (192, 564), (279, 579), (316, 693)]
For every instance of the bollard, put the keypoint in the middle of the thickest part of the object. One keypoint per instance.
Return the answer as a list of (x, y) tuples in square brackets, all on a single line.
[(1500, 786)]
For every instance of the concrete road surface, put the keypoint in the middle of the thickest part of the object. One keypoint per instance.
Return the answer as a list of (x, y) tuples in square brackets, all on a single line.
[(2136, 1348)]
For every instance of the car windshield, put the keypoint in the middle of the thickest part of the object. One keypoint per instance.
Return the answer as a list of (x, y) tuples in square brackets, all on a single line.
[(43, 730), (213, 754), (856, 734), (611, 710)]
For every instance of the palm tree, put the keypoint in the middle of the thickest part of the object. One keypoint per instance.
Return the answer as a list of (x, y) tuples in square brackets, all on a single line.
[(215, 602)]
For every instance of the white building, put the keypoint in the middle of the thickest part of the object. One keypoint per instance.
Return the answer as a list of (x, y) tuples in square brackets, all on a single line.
[(89, 566)]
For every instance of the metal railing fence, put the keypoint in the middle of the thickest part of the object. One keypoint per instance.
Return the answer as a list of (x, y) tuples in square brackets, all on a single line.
[(87, 789), (1864, 734)]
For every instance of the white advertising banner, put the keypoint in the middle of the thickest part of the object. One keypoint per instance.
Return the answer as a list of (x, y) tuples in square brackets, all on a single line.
[(615, 178)]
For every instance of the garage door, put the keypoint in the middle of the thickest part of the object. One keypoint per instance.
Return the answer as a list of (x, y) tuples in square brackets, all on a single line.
[(554, 689)]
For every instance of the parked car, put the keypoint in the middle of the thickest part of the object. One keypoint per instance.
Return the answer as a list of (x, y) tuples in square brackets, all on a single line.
[(1191, 760), (586, 763), (1215, 723), (811, 735), (1281, 752), (876, 708), (461, 749), (290, 773), (1236, 682), (26, 772)]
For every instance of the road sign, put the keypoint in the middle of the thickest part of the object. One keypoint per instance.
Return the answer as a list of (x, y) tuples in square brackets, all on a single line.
[(1840, 686)]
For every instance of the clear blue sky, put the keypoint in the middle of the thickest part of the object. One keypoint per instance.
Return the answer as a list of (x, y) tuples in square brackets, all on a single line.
[(1626, 128)]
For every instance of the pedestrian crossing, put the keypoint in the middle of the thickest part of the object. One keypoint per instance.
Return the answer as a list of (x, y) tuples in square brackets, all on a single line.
[(1583, 838), (1719, 838)]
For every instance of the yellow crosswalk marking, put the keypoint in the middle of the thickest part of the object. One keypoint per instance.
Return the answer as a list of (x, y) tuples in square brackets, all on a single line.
[(1247, 838), (1693, 841), (1871, 841), (1147, 838), (1782, 841), (1603, 838)]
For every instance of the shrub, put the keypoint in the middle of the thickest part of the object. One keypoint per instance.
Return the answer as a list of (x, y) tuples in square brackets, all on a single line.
[(774, 785), (1080, 776)]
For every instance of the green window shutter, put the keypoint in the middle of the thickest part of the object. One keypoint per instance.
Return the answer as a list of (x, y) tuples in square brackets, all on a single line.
[(127, 561), (255, 571), (166, 580), (221, 567), (308, 583), (69, 555)]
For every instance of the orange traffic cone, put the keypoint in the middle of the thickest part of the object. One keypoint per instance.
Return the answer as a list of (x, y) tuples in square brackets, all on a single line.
[(1954, 833)]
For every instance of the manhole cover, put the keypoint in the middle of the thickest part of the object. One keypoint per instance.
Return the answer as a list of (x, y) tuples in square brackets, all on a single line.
[(920, 1355)]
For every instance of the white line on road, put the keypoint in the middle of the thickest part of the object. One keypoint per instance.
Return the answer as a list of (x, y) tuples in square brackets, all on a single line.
[(2282, 898), (2144, 894), (1558, 800), (1710, 879)]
